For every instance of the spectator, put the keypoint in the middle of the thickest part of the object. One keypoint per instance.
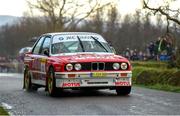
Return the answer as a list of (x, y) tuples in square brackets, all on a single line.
[(145, 57), (140, 56), (164, 56), (127, 53), (134, 55), (151, 48)]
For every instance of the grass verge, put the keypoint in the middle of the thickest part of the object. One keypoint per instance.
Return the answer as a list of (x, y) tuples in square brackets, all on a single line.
[(2, 111), (156, 75), (150, 64), (168, 88)]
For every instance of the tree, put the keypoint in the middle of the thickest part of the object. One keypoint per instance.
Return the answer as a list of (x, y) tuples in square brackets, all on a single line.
[(111, 27), (170, 13), (165, 10), (66, 14)]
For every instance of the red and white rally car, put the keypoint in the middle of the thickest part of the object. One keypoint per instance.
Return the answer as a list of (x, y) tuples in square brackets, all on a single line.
[(75, 60)]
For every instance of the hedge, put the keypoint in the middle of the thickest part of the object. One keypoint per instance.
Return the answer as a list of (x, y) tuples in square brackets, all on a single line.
[(153, 76)]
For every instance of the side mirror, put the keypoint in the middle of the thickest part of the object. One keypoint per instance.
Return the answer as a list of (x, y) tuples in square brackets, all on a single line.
[(28, 53), (46, 52), (113, 50)]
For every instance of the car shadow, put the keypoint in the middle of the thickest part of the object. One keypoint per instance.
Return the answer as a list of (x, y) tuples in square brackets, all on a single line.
[(80, 93), (87, 93)]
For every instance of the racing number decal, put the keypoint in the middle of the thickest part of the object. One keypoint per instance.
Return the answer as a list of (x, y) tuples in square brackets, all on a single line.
[(43, 63)]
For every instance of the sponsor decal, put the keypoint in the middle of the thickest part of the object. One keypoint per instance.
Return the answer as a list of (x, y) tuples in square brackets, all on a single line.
[(61, 38), (43, 67), (43, 60), (70, 37), (65, 38), (93, 57), (71, 85), (87, 37), (122, 83)]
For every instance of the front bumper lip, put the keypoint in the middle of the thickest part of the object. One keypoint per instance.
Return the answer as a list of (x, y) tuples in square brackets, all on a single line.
[(84, 79), (111, 74)]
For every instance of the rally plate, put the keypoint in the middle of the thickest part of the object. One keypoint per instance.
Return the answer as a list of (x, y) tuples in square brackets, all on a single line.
[(98, 74)]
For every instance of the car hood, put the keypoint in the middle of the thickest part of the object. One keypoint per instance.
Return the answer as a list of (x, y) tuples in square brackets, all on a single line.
[(90, 57)]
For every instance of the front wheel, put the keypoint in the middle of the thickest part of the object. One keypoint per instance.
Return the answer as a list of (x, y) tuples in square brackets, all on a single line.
[(123, 90), (51, 83)]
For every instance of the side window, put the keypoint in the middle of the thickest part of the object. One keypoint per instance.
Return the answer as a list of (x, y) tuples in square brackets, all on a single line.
[(36, 49), (46, 44)]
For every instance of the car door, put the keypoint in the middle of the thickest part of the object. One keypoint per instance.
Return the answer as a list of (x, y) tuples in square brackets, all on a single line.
[(42, 59), (35, 61)]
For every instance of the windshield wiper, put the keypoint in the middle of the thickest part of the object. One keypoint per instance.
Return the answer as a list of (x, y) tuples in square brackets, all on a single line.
[(81, 44), (99, 43)]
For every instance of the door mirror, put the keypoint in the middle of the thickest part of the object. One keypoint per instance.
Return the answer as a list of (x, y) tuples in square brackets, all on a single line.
[(113, 50), (46, 52), (28, 53)]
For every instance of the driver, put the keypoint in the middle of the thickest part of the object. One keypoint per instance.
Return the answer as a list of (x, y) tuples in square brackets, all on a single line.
[(59, 48)]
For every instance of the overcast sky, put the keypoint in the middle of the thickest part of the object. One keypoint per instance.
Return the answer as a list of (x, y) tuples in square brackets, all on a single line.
[(17, 7), (12, 7)]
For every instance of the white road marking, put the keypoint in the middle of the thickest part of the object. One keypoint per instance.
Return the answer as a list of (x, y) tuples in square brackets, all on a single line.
[(133, 106), (13, 75), (8, 108)]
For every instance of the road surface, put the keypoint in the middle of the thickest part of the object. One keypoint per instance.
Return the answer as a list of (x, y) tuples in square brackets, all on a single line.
[(104, 102)]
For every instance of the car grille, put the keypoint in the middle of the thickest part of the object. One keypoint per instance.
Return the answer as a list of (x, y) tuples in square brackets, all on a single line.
[(97, 66)]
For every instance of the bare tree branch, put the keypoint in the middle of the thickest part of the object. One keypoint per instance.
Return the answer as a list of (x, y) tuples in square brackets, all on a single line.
[(161, 11), (94, 9), (62, 12)]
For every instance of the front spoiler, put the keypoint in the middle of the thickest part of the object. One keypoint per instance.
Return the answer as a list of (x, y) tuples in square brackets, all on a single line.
[(85, 79)]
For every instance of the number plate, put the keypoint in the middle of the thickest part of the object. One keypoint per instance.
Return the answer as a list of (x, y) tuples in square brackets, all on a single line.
[(98, 74), (124, 79)]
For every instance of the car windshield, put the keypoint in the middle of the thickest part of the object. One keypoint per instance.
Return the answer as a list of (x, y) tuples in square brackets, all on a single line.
[(79, 43)]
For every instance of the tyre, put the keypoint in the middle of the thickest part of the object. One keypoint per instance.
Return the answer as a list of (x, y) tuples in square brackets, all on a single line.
[(27, 84), (51, 83), (123, 90)]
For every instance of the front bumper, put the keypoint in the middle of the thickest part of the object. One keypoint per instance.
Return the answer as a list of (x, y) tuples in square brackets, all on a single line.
[(87, 79)]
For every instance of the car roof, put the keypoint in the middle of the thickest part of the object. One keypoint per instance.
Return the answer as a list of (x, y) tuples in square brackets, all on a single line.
[(71, 33)]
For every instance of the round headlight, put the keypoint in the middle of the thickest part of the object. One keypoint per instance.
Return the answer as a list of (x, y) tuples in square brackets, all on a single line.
[(69, 67), (116, 66), (124, 66), (77, 66)]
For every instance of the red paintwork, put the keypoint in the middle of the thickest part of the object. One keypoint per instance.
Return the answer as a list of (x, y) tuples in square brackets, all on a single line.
[(58, 62)]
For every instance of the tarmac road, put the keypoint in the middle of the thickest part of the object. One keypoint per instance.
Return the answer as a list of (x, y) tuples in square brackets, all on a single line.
[(103, 102)]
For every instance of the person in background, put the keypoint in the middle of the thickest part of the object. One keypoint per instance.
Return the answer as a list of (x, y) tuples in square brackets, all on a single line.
[(140, 55), (134, 55), (145, 57), (127, 53), (151, 49), (164, 56)]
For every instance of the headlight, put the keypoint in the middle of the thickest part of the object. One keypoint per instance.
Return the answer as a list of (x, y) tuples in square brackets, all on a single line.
[(124, 66), (77, 66), (116, 66), (69, 67)]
